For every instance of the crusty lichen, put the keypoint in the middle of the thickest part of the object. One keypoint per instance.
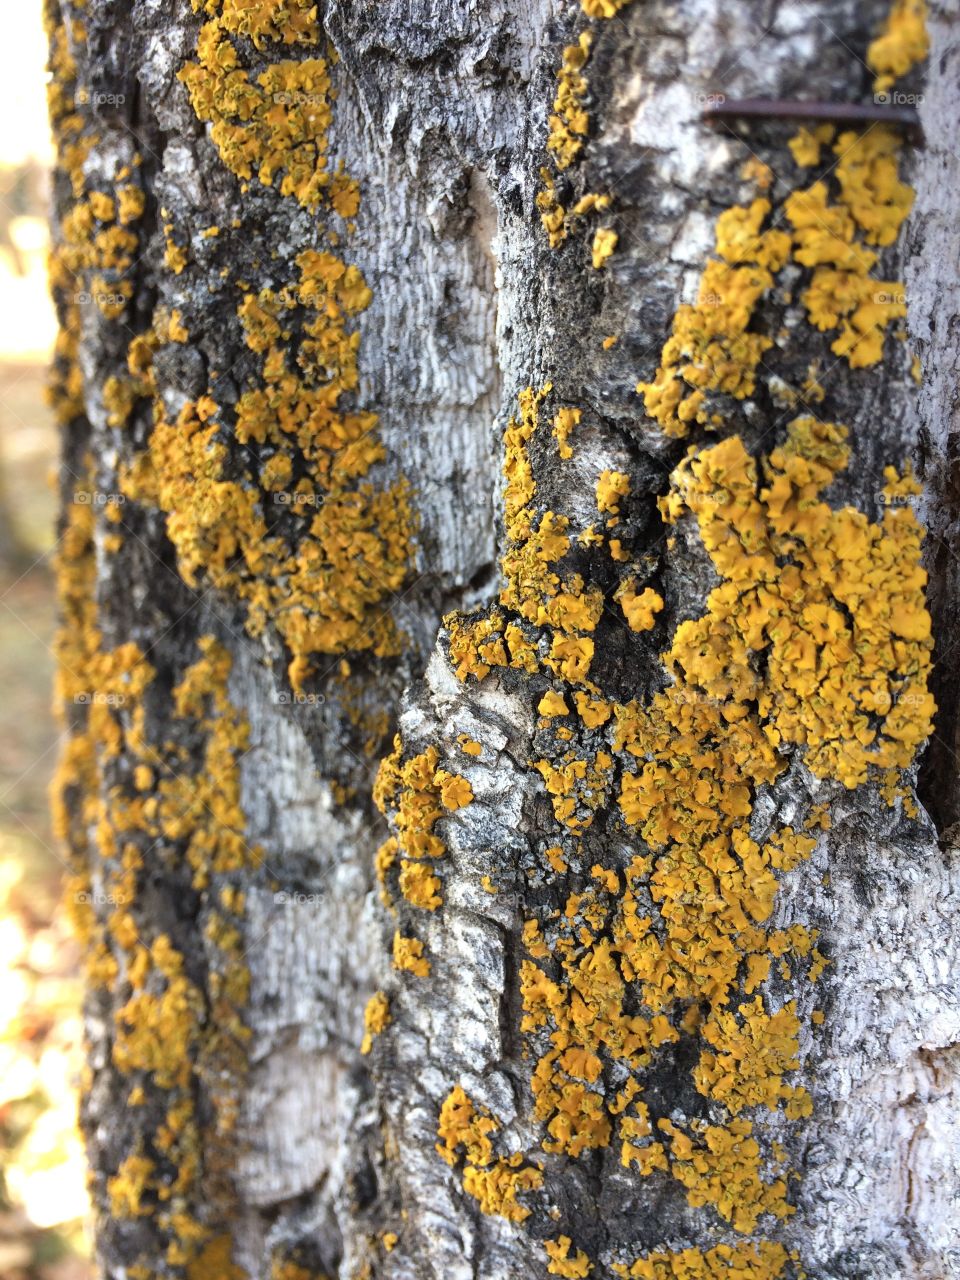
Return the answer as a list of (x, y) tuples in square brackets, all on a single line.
[(762, 1261), (376, 1017), (714, 349), (563, 1262), (416, 793), (568, 126), (321, 578), (466, 1133), (277, 121), (901, 45), (814, 642), (569, 121), (271, 497)]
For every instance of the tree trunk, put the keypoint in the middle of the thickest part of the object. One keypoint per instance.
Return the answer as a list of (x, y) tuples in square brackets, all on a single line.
[(639, 956)]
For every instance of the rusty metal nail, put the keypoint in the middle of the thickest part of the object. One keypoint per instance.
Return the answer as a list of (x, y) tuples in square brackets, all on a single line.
[(723, 109)]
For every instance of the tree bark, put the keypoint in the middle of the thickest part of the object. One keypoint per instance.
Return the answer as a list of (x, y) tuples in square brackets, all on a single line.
[(640, 955)]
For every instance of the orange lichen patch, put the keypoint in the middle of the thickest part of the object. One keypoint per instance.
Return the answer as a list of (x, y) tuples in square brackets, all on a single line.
[(128, 1187), (292, 21), (750, 1053), (869, 187), (611, 487), (711, 348), (790, 567), (903, 43), (323, 586), (754, 170), (407, 790), (72, 141), (625, 987), (721, 1167), (204, 808), (558, 863), (291, 524), (176, 329), (468, 746), (455, 792), (814, 646), (162, 1037), (842, 293), (564, 422), (533, 589), (569, 121), (462, 1125), (636, 1148), (175, 256), (639, 608), (419, 885), (577, 787), (845, 624), (276, 122), (569, 124), (154, 1031), (806, 144), (761, 1261), (557, 221), (562, 1262), (553, 704), (376, 1018), (215, 1262), (466, 1132), (415, 794), (604, 242), (96, 253), (408, 956), (592, 711)]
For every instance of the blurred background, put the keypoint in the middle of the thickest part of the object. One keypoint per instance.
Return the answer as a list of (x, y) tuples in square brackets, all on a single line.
[(42, 1174)]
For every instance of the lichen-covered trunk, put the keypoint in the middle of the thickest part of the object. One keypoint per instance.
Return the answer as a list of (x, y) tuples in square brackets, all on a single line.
[(440, 387)]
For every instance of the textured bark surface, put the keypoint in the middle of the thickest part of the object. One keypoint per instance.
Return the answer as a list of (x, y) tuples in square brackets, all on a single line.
[(307, 1153)]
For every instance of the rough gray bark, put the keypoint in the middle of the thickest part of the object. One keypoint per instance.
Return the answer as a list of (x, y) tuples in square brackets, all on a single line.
[(441, 115)]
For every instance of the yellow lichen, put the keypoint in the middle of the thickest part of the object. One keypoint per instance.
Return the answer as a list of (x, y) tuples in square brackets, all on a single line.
[(902, 44), (564, 421), (376, 1018), (711, 348), (604, 242), (639, 608), (562, 1262), (466, 1133), (275, 122), (762, 1261), (408, 956), (569, 121), (322, 586)]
